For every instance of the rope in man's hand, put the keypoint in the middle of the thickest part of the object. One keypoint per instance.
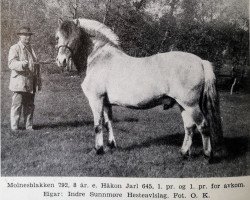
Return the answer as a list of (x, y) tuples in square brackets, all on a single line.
[(46, 62)]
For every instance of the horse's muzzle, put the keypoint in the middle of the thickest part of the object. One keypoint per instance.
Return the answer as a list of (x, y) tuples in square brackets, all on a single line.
[(65, 64), (62, 62)]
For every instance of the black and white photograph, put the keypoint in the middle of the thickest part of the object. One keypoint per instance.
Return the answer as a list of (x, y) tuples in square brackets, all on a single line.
[(125, 88)]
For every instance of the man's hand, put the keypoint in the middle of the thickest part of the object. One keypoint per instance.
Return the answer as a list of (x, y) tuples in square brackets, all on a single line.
[(39, 87), (25, 64)]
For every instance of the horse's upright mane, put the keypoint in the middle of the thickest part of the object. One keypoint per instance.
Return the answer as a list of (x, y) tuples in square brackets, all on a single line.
[(99, 30)]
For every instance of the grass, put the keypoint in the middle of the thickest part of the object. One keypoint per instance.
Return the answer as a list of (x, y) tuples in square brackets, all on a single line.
[(148, 141)]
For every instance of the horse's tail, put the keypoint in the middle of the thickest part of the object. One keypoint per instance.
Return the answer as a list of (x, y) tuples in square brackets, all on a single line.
[(211, 108)]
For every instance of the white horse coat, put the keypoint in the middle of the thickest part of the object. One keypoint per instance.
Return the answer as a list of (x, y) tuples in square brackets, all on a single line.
[(115, 78)]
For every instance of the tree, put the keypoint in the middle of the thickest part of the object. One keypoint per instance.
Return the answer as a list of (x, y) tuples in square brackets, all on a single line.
[(145, 27)]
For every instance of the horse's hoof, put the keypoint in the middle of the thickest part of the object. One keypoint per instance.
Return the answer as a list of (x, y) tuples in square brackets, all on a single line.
[(184, 155), (209, 157), (112, 144), (100, 151)]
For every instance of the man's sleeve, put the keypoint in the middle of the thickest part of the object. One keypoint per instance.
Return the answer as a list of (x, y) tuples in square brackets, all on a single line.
[(13, 60)]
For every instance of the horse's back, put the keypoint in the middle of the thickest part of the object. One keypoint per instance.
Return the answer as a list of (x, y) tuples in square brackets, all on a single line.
[(171, 67), (169, 61)]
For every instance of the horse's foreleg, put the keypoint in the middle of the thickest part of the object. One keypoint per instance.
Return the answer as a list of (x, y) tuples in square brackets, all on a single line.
[(107, 122), (96, 105)]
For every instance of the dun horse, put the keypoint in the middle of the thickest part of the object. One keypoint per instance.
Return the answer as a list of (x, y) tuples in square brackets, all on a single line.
[(115, 78)]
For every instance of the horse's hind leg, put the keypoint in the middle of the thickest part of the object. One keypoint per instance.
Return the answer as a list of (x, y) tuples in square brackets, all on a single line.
[(204, 131), (193, 118), (189, 126), (107, 123), (203, 128)]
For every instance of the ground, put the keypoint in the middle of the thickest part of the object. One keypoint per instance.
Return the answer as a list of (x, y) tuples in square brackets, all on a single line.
[(148, 141)]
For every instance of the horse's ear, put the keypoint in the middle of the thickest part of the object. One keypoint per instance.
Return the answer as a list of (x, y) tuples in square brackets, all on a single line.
[(60, 21)]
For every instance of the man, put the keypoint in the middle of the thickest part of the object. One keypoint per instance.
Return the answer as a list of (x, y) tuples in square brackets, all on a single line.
[(25, 79)]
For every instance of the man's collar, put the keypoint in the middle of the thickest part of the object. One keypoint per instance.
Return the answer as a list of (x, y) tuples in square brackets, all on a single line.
[(22, 45)]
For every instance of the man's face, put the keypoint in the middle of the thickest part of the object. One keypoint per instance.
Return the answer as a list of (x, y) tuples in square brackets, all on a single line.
[(25, 39)]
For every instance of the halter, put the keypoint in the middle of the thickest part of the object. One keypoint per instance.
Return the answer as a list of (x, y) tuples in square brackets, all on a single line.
[(67, 47)]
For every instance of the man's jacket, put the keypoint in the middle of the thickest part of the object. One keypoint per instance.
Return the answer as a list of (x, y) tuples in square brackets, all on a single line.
[(23, 79)]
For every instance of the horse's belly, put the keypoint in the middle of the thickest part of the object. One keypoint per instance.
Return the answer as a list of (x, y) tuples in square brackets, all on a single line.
[(136, 97), (144, 104), (135, 86)]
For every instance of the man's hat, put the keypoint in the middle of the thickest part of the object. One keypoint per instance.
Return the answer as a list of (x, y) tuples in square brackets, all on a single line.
[(24, 31)]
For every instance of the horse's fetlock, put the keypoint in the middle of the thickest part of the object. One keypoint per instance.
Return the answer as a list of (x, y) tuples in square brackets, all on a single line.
[(98, 128), (207, 153), (106, 125), (184, 153)]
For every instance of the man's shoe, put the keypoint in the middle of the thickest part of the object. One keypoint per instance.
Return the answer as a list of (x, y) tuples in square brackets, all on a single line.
[(30, 128)]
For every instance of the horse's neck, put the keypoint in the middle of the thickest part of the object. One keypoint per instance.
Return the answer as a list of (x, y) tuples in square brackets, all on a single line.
[(81, 56), (97, 47)]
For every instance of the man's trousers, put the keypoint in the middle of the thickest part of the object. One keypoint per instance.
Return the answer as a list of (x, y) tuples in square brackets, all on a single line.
[(22, 101)]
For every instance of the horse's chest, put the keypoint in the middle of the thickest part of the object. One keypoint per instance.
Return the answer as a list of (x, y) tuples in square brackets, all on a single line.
[(94, 84)]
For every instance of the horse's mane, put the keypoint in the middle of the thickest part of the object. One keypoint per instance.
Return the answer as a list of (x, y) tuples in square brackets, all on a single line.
[(98, 30)]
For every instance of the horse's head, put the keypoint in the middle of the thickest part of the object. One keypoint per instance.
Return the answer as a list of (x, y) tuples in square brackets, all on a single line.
[(68, 36), (75, 41)]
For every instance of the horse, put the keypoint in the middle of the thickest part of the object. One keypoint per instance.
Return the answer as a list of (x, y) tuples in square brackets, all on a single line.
[(113, 78)]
